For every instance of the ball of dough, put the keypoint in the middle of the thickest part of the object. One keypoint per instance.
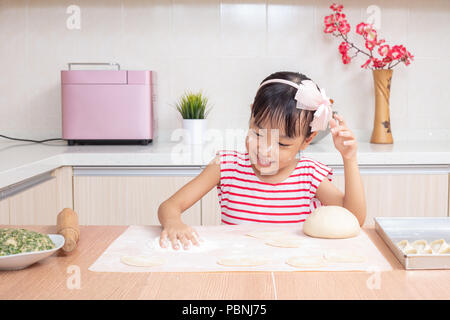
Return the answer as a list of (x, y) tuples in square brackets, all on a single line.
[(331, 222)]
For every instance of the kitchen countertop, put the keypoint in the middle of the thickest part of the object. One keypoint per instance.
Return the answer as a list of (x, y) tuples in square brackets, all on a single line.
[(21, 160), (48, 278)]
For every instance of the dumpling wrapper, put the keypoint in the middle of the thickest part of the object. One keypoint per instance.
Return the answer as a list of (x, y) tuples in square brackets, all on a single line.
[(268, 234), (286, 243), (306, 261), (142, 261)]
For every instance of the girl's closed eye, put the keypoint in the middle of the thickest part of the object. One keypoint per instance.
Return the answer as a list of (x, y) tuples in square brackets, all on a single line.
[(279, 143), (284, 145)]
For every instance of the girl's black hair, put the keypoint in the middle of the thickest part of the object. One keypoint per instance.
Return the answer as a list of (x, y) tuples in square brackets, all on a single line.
[(275, 104)]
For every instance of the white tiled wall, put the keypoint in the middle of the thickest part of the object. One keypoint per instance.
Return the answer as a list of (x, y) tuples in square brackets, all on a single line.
[(224, 48)]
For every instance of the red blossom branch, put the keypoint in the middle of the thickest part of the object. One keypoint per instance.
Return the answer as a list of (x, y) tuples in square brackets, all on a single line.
[(338, 26)]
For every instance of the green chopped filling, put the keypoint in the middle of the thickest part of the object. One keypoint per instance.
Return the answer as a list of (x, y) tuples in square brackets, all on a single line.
[(13, 241)]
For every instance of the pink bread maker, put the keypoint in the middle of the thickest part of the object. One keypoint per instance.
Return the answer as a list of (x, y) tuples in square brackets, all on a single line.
[(106, 106)]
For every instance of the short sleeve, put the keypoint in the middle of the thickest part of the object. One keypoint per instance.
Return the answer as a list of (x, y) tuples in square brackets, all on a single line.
[(319, 171), (227, 162)]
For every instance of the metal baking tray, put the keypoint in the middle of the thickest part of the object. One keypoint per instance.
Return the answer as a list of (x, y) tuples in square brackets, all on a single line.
[(393, 230)]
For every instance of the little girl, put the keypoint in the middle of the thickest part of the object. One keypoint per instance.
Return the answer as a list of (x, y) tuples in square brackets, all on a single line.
[(269, 184)]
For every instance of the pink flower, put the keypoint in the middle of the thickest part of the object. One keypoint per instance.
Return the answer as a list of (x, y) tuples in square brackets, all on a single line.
[(329, 19), (344, 28), (378, 63), (383, 50), (346, 59), (370, 34), (397, 52), (340, 17), (343, 47), (370, 45), (360, 28), (330, 28), (336, 7), (387, 54), (387, 60), (379, 42)]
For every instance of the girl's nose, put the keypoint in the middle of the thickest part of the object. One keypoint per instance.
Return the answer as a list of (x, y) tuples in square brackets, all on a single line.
[(266, 150)]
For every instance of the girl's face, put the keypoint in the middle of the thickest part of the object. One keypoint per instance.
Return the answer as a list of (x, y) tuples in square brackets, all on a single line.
[(270, 150)]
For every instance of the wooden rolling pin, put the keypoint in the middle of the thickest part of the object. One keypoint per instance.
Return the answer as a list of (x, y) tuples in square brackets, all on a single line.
[(67, 226)]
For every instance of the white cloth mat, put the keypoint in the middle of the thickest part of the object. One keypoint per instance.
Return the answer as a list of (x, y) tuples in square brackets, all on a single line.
[(222, 241)]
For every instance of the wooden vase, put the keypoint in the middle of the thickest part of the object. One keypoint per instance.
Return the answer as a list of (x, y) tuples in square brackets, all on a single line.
[(382, 123)]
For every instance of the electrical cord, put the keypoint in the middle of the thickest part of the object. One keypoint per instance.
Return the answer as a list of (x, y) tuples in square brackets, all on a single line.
[(29, 140)]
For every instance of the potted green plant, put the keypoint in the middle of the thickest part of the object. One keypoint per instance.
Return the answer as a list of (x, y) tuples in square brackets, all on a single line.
[(193, 109)]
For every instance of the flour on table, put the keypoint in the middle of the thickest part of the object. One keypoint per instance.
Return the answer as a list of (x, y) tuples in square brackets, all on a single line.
[(205, 245), (242, 261), (142, 261), (272, 234), (337, 256)]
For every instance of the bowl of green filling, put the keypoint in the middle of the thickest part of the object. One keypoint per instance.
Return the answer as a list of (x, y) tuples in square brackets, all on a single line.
[(20, 248)]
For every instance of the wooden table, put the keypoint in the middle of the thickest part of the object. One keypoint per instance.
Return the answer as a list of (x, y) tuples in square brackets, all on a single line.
[(49, 279)]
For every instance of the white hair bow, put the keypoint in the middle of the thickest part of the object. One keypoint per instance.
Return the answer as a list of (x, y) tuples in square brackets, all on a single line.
[(308, 97)]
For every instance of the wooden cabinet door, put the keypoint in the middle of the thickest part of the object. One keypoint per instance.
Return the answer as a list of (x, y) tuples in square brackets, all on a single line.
[(211, 213), (127, 200), (403, 195), (390, 195), (38, 200), (4, 211), (34, 206)]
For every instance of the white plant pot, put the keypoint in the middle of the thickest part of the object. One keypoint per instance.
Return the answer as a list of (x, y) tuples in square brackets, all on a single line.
[(195, 130)]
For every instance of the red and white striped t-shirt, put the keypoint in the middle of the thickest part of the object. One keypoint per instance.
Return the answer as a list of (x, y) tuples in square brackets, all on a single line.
[(244, 198)]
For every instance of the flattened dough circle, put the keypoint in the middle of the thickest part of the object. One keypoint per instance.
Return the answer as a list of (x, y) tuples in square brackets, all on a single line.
[(266, 234), (142, 261), (306, 261), (285, 243)]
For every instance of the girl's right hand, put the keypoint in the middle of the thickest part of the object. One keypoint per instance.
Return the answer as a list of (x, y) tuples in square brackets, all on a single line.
[(178, 231)]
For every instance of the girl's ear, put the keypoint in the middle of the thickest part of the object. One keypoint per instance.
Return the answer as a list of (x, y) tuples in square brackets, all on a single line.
[(308, 140)]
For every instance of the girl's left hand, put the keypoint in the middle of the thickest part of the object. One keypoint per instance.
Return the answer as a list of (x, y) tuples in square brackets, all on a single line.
[(343, 138)]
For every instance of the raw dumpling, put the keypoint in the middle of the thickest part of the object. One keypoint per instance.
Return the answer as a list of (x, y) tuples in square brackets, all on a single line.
[(409, 249), (331, 222), (445, 249), (439, 246), (402, 244), (422, 247)]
